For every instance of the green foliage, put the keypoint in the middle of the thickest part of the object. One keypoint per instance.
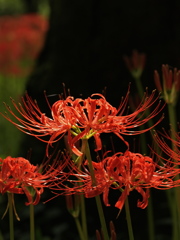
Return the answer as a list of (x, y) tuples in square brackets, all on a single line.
[(11, 7)]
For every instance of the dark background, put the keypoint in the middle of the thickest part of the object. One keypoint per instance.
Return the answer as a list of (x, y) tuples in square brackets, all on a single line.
[(84, 49), (87, 40)]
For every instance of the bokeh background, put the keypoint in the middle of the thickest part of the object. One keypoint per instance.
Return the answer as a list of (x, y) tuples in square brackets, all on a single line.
[(83, 49)]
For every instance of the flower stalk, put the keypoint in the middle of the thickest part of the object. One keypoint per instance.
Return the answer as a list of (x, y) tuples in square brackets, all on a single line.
[(32, 224), (83, 217), (128, 217), (11, 215), (98, 200), (175, 209)]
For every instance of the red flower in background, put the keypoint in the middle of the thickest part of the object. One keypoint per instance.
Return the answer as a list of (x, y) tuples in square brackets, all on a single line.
[(21, 40), (135, 63), (125, 172), (170, 86), (18, 175), (82, 119)]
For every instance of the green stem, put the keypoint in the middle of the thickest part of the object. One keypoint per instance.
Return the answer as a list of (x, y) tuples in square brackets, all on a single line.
[(172, 118), (83, 217), (141, 94), (102, 218), (175, 217), (98, 200), (80, 231), (175, 208), (11, 217), (139, 87), (128, 217), (90, 165), (83, 232), (150, 217), (32, 228)]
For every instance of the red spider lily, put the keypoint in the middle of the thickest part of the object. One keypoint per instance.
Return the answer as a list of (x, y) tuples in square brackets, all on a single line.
[(125, 172), (18, 176), (82, 119), (171, 83)]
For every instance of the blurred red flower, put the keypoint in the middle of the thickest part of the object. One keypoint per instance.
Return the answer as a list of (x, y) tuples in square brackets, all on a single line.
[(21, 39), (135, 63)]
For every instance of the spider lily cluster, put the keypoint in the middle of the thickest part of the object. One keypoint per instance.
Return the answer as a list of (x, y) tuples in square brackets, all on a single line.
[(78, 120)]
